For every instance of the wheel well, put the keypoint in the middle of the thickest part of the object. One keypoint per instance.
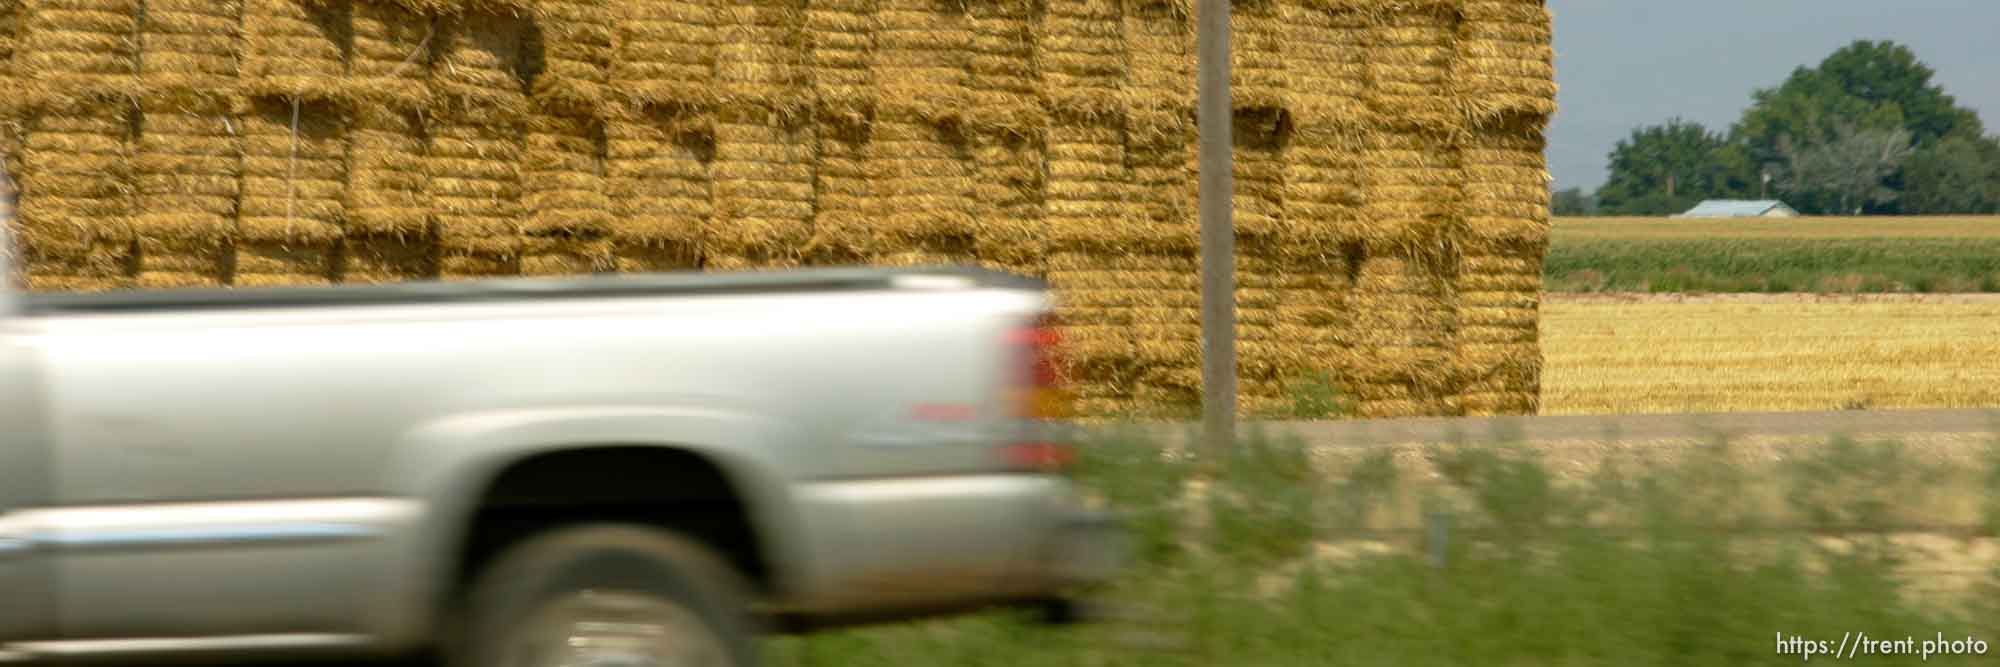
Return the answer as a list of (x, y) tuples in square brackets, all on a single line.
[(668, 488)]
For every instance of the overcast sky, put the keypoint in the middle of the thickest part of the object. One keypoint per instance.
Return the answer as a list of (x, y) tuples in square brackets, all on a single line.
[(1626, 63)]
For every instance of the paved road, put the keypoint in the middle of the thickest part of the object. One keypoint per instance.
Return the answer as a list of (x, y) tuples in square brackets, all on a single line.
[(1618, 427)]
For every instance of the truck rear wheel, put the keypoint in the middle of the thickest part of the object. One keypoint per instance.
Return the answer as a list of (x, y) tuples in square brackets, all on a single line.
[(607, 596)]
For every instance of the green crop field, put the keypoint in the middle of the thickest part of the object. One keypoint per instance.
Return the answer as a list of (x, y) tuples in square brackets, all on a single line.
[(1831, 255)]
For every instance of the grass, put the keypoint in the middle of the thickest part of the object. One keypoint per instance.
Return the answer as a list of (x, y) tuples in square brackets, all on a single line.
[(1828, 255), (1629, 565), (1608, 358)]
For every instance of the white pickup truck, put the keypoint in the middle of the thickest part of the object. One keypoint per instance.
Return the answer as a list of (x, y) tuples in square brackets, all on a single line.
[(645, 470)]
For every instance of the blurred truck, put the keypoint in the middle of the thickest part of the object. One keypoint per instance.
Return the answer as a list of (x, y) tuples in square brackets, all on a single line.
[(641, 470)]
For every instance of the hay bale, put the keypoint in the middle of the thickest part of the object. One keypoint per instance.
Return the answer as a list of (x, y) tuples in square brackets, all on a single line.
[(369, 260), (1506, 60), (761, 59), (1082, 53), (1326, 66), (763, 189), (1257, 75), (1410, 55), (842, 35), (543, 256), (474, 189), (386, 181), (188, 49), (1160, 57), (578, 42), (921, 61), (295, 49), (1260, 136), (1325, 188), (1411, 184), (187, 177), (389, 67), (75, 182), (482, 64), (1091, 199), (563, 189), (666, 52), (841, 192), (77, 53), (1404, 318), (1505, 196), (1007, 202), (293, 192), (1499, 297), (921, 193), (1004, 84), (657, 172)]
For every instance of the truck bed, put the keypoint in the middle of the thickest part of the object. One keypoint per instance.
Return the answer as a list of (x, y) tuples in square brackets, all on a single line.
[(689, 283)]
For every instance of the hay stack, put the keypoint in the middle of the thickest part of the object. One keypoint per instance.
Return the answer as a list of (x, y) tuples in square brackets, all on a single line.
[(1499, 296), (1008, 195), (294, 178), (666, 52), (763, 190), (296, 50), (189, 50), (1308, 329), (1260, 135), (1159, 52), (1506, 60), (1005, 87), (387, 212), (841, 192), (1101, 302), (568, 211), (389, 65), (1505, 194), (1411, 182), (1257, 75), (1324, 188), (921, 62), (577, 38), (1092, 202), (1326, 66), (474, 155), (921, 203), (76, 197), (760, 62), (1081, 48), (77, 53), (842, 34), (657, 172), (1405, 323), (188, 177), (1410, 54)]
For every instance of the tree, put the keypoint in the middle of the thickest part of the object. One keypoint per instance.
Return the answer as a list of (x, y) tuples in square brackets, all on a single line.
[(1664, 169), (1866, 85), (1960, 174), (1851, 166), (1572, 202)]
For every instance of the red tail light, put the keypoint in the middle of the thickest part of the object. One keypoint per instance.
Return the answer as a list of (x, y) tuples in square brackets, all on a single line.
[(1036, 396)]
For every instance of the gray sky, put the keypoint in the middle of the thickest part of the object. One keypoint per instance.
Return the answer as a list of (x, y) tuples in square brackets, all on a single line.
[(1626, 63)]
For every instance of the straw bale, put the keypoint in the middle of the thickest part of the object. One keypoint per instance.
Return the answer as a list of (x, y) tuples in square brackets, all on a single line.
[(1082, 53), (1505, 195), (386, 177), (921, 195), (843, 36), (1257, 73), (563, 187), (294, 49), (666, 52), (921, 62), (840, 192), (477, 266), (482, 65), (1326, 67), (70, 55), (577, 41), (763, 188), (474, 188), (1004, 81), (1009, 201), (179, 60), (762, 57), (557, 257), (369, 260), (657, 173), (389, 65), (1259, 168), (75, 182), (186, 181), (1409, 63), (1411, 184), (1506, 62)]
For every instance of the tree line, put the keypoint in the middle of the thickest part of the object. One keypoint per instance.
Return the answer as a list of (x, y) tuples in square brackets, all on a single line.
[(1865, 132)]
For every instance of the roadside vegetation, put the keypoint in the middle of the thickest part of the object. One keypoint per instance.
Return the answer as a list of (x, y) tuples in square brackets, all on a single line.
[(1478, 554), (1820, 255)]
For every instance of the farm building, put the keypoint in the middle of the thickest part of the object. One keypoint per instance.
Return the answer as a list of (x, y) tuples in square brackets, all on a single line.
[(1737, 208), (1391, 194)]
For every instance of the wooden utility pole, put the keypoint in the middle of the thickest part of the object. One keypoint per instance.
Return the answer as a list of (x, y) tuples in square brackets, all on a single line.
[(1218, 235)]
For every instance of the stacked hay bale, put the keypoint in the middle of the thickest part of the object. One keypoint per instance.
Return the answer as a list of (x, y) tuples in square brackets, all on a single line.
[(657, 156), (564, 193), (1506, 60), (921, 201), (1410, 52), (188, 155), (840, 56), (294, 145), (76, 68), (473, 156), (842, 36), (1500, 270), (1007, 128), (388, 222), (763, 170)]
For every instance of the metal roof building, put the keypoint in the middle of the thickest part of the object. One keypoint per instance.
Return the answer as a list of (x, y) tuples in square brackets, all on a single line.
[(1740, 208)]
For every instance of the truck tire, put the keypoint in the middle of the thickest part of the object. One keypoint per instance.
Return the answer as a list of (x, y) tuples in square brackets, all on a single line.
[(610, 595)]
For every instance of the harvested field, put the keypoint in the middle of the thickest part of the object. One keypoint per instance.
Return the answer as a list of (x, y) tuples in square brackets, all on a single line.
[(1721, 354)]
